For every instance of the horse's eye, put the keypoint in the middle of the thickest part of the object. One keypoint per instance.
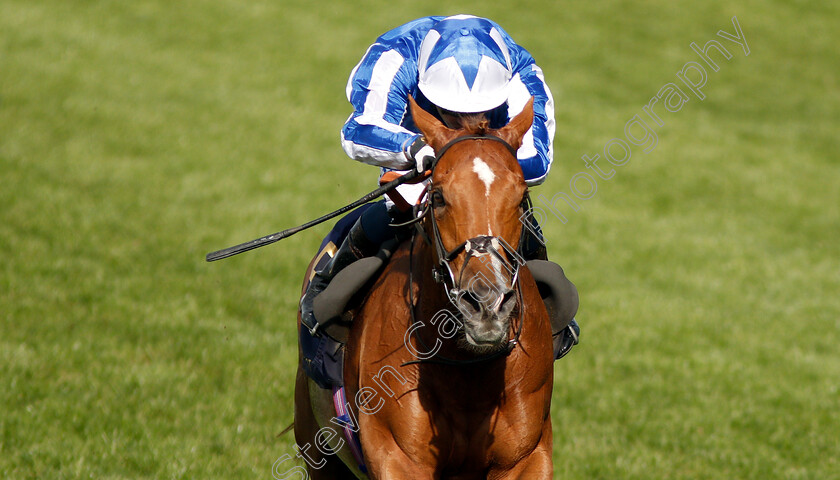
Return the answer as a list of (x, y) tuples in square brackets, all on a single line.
[(437, 200)]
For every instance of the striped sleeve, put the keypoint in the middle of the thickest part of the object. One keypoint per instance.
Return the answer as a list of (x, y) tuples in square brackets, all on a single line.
[(378, 91), (537, 151)]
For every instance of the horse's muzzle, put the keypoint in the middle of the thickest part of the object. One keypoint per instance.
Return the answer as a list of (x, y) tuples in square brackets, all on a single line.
[(486, 315)]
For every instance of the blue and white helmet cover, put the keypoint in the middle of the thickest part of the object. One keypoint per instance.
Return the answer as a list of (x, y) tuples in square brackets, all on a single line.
[(464, 65)]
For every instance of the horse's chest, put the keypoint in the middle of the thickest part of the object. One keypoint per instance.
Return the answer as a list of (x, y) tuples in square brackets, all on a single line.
[(472, 437)]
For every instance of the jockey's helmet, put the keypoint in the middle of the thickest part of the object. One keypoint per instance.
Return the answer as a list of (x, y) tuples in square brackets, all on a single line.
[(464, 65)]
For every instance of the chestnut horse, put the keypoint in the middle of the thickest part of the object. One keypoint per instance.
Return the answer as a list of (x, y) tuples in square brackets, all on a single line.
[(447, 377)]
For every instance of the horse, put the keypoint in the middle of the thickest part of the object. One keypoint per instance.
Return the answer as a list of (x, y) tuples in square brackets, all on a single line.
[(449, 366)]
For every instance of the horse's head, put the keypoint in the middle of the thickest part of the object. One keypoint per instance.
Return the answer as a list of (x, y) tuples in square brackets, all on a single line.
[(476, 198)]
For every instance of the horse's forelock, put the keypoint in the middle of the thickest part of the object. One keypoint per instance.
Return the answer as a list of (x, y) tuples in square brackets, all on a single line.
[(474, 123)]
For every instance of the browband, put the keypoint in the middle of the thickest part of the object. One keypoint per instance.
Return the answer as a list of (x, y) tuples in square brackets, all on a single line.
[(494, 138)]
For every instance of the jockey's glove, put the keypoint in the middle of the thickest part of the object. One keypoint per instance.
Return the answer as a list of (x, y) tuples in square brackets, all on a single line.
[(421, 154)]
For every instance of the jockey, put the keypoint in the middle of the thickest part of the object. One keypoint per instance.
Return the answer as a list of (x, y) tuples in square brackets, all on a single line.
[(449, 65)]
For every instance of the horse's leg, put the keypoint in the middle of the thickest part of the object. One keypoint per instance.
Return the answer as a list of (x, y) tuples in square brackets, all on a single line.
[(537, 465), (387, 461), (392, 464), (320, 466)]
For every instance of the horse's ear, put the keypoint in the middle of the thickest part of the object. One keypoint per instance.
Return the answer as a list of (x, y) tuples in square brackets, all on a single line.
[(513, 132), (433, 130)]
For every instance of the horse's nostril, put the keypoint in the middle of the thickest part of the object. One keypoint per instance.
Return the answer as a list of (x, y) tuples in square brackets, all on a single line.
[(470, 298), (508, 296), (489, 301)]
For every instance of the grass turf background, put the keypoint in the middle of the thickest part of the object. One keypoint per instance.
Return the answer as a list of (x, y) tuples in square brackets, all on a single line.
[(137, 136)]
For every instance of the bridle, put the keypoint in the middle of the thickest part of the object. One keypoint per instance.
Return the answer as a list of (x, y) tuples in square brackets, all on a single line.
[(473, 247)]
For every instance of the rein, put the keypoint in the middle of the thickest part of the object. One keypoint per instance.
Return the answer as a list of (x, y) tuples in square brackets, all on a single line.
[(442, 272)]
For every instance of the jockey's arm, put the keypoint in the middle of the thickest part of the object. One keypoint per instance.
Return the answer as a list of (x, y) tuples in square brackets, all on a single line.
[(536, 153), (378, 90)]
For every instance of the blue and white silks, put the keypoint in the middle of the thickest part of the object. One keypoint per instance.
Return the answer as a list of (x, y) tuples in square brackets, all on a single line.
[(380, 127)]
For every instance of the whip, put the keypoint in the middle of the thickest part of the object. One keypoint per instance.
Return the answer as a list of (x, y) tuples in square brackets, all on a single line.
[(275, 237)]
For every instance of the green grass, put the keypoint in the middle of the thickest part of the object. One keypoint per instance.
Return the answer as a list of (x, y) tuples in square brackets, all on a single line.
[(137, 136)]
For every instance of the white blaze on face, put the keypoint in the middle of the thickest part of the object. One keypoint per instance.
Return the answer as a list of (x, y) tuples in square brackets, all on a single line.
[(485, 174), (497, 265)]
